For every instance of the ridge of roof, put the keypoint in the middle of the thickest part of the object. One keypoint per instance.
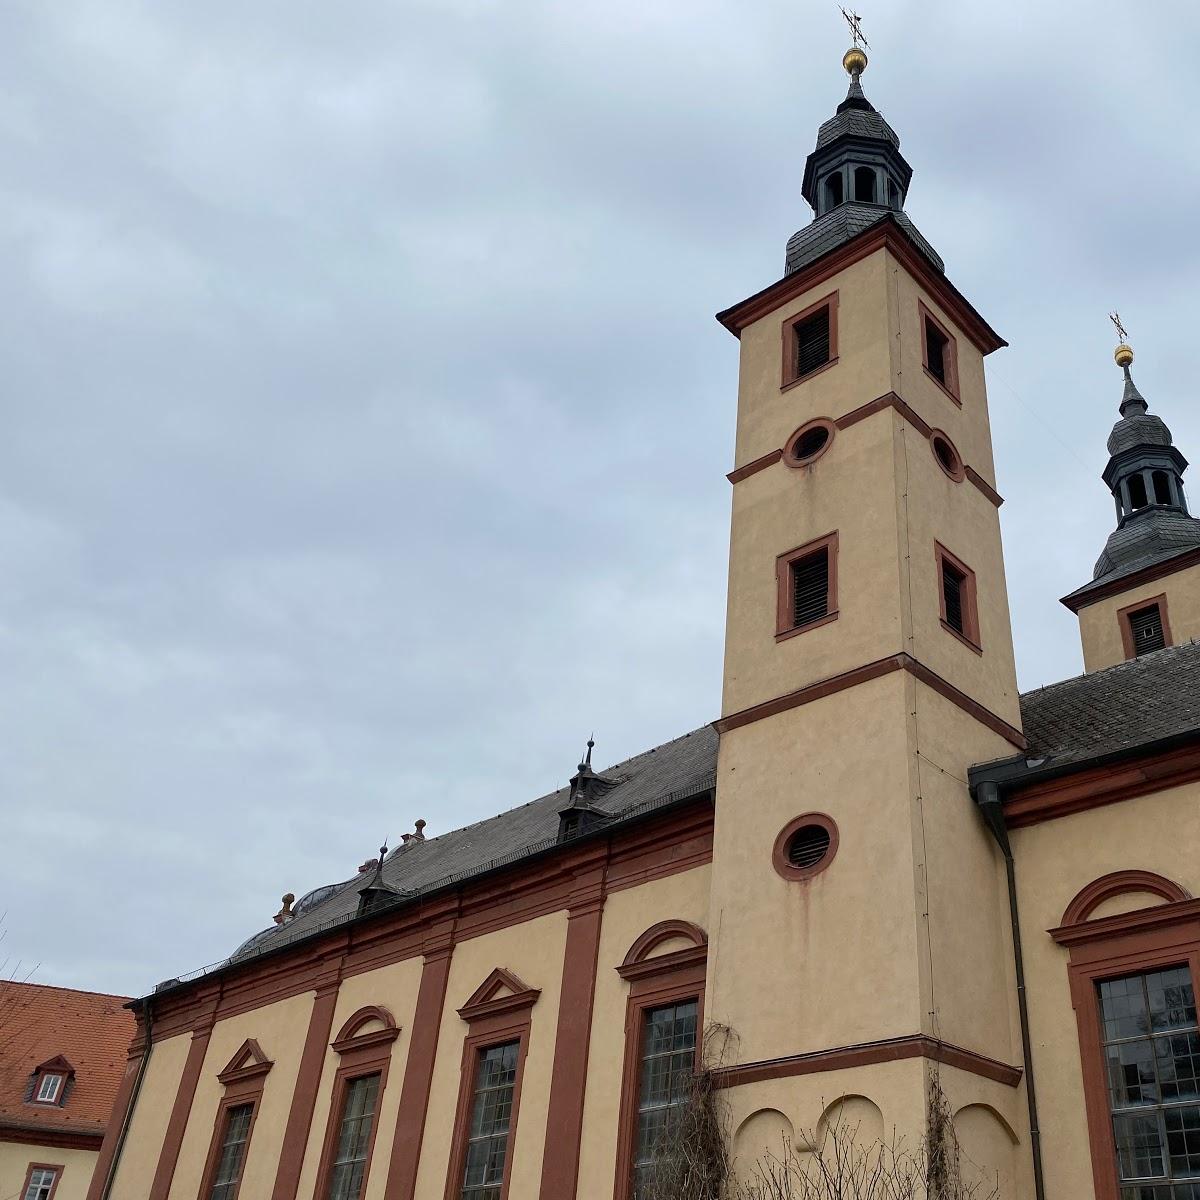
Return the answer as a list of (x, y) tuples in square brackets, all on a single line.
[(58, 987)]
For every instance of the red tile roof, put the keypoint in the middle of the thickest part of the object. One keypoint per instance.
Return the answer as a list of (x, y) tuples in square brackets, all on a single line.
[(90, 1030)]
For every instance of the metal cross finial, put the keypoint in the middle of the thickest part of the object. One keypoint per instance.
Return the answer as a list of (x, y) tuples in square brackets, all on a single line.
[(853, 20), (1122, 332)]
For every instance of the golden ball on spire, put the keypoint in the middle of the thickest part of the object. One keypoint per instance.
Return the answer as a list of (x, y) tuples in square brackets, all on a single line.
[(1123, 355), (854, 60)]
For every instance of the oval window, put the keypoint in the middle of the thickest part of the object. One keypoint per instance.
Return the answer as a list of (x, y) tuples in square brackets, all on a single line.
[(809, 442), (947, 456), (805, 846)]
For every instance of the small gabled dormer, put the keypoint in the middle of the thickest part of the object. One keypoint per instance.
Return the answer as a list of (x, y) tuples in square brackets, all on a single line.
[(50, 1082), (582, 813)]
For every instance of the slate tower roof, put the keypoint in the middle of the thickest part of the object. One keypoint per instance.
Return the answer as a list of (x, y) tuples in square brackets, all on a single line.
[(1145, 475), (855, 177)]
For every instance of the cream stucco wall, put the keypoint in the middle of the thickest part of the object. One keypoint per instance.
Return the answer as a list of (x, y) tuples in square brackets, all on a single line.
[(1100, 628), (533, 952), (392, 987), (627, 914), (75, 1176), (1055, 860), (139, 1156), (279, 1030)]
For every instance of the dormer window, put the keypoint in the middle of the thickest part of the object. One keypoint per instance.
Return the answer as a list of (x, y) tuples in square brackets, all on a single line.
[(49, 1082)]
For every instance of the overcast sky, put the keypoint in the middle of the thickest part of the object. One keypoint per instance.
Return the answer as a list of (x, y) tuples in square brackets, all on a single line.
[(366, 423)]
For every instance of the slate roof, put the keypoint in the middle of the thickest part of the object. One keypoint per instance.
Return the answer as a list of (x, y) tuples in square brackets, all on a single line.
[(1137, 703), (1067, 724), (650, 781), (839, 225), (1154, 536), (92, 1031)]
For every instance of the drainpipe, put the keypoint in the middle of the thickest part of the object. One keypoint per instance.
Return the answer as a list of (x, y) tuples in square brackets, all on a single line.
[(127, 1120), (987, 796)]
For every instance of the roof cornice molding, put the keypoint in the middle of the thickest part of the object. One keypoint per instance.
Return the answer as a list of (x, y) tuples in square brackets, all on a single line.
[(885, 233), (1100, 590)]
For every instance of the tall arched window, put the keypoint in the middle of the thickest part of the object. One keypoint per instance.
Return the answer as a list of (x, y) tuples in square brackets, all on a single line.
[(864, 184), (833, 191)]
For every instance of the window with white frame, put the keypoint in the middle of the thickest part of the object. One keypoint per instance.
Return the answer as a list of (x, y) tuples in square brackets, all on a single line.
[(41, 1183), (49, 1089)]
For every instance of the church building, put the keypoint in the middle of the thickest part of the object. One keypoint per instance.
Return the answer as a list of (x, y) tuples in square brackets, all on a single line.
[(881, 877)]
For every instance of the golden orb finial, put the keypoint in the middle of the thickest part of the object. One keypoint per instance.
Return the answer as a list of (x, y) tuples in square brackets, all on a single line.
[(1123, 355), (855, 61)]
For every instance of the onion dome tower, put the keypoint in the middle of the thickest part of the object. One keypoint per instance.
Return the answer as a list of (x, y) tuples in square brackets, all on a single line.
[(854, 177), (1145, 475), (1142, 596)]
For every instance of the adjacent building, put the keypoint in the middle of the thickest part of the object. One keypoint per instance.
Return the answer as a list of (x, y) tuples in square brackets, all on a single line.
[(884, 873), (62, 1056)]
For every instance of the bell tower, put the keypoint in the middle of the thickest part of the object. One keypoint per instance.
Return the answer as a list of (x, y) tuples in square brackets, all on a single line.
[(857, 921), (1145, 591)]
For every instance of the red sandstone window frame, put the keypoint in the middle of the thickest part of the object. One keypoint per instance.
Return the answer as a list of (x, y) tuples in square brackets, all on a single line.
[(788, 377), (1123, 615), (654, 982), (58, 1170), (362, 1054), (244, 1077), (951, 386), (1132, 943), (492, 1020), (784, 598), (970, 598)]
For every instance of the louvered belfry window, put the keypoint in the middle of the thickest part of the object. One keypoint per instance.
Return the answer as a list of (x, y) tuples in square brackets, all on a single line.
[(810, 588), (953, 581), (806, 579), (811, 342), (1146, 625)]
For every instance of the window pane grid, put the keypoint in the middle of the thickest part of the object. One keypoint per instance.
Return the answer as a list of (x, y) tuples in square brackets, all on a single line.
[(667, 1066), (1152, 1063), (354, 1138), (491, 1122), (233, 1152), (41, 1183)]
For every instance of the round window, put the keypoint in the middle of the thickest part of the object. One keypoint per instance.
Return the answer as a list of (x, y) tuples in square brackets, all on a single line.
[(809, 442), (946, 455), (805, 846)]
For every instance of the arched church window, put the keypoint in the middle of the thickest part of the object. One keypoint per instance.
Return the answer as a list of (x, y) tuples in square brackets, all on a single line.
[(1162, 487), (1137, 492), (864, 184), (833, 191)]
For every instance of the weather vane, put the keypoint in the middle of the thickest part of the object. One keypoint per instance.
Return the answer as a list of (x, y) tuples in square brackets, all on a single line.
[(853, 20), (1122, 332)]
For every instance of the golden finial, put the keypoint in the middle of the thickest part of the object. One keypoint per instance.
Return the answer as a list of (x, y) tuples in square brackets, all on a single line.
[(854, 60), (1123, 354)]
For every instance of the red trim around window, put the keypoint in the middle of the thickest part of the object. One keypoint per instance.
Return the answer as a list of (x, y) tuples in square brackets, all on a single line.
[(788, 376), (950, 387), (493, 1020), (653, 982), (58, 1170), (784, 598), (969, 634), (362, 1054), (1148, 939), (1123, 615), (244, 1077)]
